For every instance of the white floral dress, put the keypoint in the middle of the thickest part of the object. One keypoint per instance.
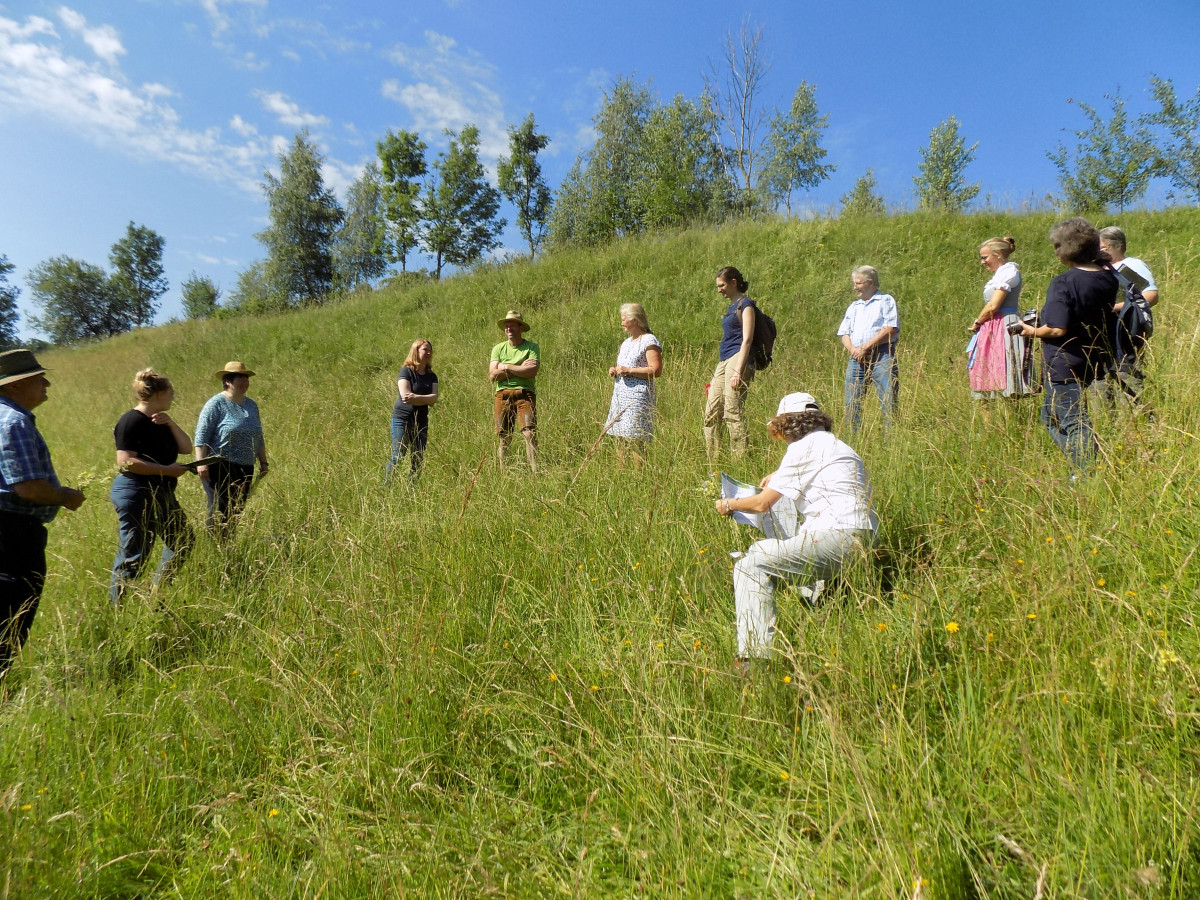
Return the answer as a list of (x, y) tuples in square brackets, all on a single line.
[(631, 414)]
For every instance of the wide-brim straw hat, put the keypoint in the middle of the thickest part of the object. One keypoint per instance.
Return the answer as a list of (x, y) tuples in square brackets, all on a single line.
[(18, 364), (514, 316), (234, 367)]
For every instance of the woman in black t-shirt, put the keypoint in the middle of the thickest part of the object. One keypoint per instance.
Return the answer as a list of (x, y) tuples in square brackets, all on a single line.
[(418, 390), (143, 493), (1075, 328)]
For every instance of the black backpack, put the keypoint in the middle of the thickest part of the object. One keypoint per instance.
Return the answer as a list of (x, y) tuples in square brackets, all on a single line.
[(1135, 321), (763, 342)]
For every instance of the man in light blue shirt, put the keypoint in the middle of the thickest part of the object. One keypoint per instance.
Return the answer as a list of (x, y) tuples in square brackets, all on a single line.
[(868, 332)]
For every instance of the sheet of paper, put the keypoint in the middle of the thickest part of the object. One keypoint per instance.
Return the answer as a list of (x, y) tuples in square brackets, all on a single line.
[(780, 522)]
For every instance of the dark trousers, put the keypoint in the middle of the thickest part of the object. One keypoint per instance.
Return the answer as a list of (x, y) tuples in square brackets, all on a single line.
[(22, 575), (227, 488)]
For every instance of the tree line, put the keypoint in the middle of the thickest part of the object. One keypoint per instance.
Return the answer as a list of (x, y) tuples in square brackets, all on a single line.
[(654, 165)]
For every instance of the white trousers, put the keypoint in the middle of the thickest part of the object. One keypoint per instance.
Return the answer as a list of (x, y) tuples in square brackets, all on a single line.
[(806, 558)]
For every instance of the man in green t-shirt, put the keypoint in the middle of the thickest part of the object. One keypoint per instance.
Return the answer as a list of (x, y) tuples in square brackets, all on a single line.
[(514, 366)]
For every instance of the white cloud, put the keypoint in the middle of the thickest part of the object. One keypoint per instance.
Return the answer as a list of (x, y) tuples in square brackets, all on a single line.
[(242, 127), (449, 88), (287, 112), (102, 39), (38, 78), (219, 18)]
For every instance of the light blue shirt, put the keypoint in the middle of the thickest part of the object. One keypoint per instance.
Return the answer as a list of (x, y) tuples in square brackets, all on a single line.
[(230, 430), (865, 318), (24, 456)]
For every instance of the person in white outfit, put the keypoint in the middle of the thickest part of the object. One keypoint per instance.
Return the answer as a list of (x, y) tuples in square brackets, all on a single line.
[(827, 482)]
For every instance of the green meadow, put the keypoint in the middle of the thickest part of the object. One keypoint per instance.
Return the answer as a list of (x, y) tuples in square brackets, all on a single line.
[(498, 685)]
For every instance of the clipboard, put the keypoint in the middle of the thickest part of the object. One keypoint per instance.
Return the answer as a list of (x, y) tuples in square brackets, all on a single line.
[(196, 463)]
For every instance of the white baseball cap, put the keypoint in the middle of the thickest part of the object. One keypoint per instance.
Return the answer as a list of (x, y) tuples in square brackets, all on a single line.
[(797, 402)]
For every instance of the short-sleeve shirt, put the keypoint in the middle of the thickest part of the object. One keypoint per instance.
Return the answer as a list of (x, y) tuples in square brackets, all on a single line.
[(1079, 302), (732, 333), (419, 384), (24, 456), (1006, 278), (506, 353), (230, 430), (866, 318), (1141, 268), (828, 482), (136, 433)]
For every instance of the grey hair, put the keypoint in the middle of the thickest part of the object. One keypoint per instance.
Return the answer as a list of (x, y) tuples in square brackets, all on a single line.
[(1111, 234), (868, 272)]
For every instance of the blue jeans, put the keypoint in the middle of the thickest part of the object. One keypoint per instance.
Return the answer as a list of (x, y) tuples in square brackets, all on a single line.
[(881, 369), (409, 435), (1065, 415), (144, 514)]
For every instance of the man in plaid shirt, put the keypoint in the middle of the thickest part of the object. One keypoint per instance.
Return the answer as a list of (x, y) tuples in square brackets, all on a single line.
[(30, 497)]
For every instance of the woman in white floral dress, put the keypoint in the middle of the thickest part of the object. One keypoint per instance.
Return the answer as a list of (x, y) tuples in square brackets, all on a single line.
[(639, 363)]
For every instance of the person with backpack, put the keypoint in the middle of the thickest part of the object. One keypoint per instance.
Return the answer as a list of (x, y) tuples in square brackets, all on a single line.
[(1133, 326), (1076, 328), (868, 332), (735, 366)]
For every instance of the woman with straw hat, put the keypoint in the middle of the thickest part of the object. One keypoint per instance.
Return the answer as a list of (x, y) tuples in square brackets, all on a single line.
[(229, 428)]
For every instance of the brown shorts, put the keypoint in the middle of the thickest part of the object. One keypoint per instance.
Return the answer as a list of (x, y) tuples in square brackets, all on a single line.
[(517, 408)]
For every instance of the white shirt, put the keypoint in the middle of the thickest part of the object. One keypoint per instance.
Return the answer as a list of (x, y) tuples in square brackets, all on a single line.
[(1141, 268), (828, 482), (865, 318)]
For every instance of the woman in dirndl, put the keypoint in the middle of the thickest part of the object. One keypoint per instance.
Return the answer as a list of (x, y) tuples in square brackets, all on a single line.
[(1000, 364)]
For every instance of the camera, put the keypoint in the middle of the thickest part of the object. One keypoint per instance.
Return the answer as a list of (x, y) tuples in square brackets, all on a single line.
[(1030, 318)]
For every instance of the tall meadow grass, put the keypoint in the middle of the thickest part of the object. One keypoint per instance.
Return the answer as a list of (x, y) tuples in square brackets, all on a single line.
[(499, 685)]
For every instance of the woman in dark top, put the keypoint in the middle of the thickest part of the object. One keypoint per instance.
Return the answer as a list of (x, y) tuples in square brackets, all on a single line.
[(727, 390), (1075, 328), (148, 445), (418, 390)]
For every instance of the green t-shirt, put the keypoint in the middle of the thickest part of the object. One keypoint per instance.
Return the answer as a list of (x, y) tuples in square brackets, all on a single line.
[(506, 353)]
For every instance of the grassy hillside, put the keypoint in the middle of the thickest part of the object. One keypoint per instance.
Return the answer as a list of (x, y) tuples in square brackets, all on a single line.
[(504, 686)]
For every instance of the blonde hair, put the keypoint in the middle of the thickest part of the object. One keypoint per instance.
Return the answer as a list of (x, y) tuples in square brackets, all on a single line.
[(411, 359), (147, 383), (636, 312), (1003, 247)]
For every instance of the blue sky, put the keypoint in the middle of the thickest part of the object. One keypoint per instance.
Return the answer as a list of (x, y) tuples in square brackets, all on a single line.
[(166, 112)]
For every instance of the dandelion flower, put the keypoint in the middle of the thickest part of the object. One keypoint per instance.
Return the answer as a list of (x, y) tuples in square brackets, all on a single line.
[(787, 679), (1168, 531), (27, 807), (1049, 540), (1020, 562), (659, 645), (1031, 616), (881, 626), (1131, 593), (990, 637), (553, 676), (1095, 551), (595, 687), (952, 627), (702, 551), (1101, 582), (784, 776), (272, 814)]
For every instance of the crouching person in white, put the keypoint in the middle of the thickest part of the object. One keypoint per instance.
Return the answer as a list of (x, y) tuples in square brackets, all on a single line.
[(827, 482)]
